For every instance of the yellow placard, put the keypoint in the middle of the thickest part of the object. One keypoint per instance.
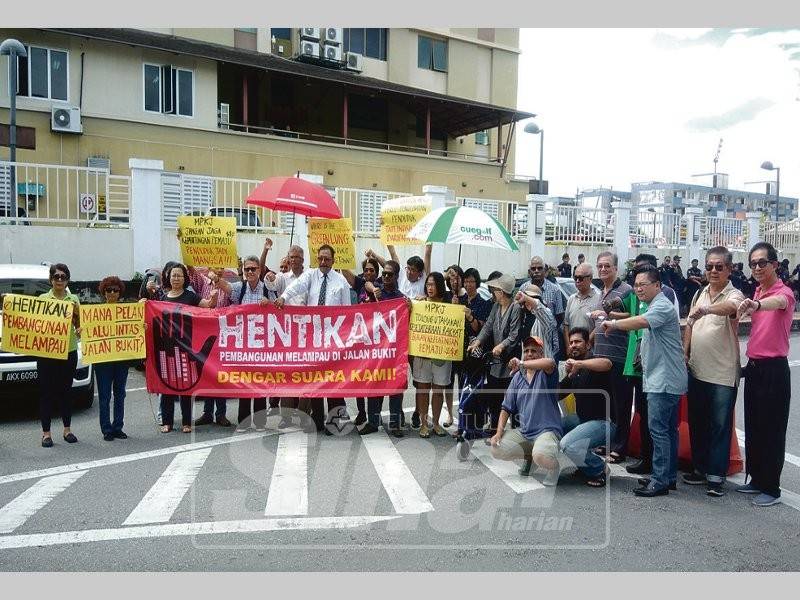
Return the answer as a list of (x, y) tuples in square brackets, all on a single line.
[(36, 326), (337, 233), (112, 332), (398, 216), (208, 241), (436, 330)]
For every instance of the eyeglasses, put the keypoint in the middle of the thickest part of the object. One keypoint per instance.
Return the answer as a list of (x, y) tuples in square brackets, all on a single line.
[(602, 267), (250, 269), (112, 290), (389, 273), (717, 268), (761, 264), (581, 277), (60, 277)]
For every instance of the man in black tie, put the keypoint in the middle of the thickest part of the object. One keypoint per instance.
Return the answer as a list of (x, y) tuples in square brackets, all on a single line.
[(321, 287)]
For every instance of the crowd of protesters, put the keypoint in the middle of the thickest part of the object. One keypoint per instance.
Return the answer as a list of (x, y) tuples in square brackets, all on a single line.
[(619, 341)]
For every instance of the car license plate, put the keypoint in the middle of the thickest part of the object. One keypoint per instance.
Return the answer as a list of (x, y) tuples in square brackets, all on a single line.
[(20, 376)]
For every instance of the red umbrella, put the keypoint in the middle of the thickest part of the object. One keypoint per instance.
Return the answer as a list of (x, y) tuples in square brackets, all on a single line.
[(296, 195)]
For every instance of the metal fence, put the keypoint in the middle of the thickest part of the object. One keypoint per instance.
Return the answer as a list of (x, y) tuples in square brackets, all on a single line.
[(723, 231), (785, 236), (652, 229), (578, 225), (40, 194)]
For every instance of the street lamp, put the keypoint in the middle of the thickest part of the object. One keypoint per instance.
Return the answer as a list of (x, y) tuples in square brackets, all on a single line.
[(534, 129), (767, 165), (12, 48)]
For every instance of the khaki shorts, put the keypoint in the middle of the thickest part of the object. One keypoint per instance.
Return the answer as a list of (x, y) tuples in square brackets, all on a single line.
[(514, 445), (427, 370)]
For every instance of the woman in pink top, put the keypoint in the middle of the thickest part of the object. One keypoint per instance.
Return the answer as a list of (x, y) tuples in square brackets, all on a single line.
[(767, 387)]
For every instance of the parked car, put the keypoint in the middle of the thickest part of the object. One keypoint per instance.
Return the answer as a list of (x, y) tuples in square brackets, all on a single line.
[(18, 374), (246, 218)]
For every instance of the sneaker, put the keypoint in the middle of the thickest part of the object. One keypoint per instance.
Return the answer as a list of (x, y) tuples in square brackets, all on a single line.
[(204, 420), (261, 427), (694, 478), (765, 500), (716, 489), (415, 420), (645, 482), (224, 422), (367, 429), (284, 423), (242, 427), (47, 442), (748, 488)]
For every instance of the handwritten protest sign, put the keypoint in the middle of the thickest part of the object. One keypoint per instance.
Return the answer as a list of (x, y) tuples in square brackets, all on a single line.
[(36, 326), (399, 215), (208, 241), (112, 332), (436, 330), (337, 233)]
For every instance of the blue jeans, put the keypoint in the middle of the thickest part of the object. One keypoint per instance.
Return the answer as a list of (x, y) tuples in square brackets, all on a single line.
[(710, 416), (581, 438), (375, 405), (662, 419), (111, 376), (208, 406)]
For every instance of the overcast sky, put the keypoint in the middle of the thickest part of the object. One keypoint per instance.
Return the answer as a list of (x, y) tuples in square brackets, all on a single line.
[(628, 105)]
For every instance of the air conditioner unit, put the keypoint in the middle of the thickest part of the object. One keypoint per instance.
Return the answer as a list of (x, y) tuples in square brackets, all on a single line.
[(65, 119), (332, 53), (224, 115), (334, 35), (310, 33), (355, 62), (309, 49)]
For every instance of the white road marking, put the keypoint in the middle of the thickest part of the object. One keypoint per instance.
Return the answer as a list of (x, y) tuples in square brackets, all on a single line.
[(182, 529), (24, 506), (161, 501), (618, 470), (405, 493), (790, 458), (288, 488), (115, 460), (794, 363), (506, 470), (139, 389)]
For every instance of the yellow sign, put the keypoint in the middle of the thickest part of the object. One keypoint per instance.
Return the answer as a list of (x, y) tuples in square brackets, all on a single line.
[(398, 216), (208, 241), (112, 332), (36, 326), (337, 233), (436, 330)]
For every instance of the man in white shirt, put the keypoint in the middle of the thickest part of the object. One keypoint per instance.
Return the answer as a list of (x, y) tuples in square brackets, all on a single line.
[(411, 280), (320, 287), (278, 282)]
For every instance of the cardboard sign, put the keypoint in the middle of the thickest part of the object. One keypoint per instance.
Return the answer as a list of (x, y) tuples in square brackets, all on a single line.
[(36, 326), (436, 330), (111, 332), (208, 241), (398, 216), (337, 233)]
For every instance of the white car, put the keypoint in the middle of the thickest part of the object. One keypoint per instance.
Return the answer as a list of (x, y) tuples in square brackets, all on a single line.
[(18, 374)]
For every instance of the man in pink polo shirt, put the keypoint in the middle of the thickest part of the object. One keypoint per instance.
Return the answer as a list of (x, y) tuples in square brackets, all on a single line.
[(767, 386)]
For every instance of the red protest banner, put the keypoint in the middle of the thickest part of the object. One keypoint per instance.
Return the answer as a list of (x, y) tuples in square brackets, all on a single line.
[(251, 350)]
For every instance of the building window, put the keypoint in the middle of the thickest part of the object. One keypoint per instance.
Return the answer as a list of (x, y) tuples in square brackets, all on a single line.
[(44, 73), (369, 42), (482, 138), (169, 90), (281, 33), (432, 54)]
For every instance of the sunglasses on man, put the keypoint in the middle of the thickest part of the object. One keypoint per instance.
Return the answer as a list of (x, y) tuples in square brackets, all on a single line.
[(717, 268), (761, 264), (581, 277), (250, 269)]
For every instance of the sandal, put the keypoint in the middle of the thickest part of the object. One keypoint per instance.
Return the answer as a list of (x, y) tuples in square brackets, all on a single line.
[(440, 432), (597, 482), (186, 429), (166, 428), (614, 458), (424, 432), (449, 422)]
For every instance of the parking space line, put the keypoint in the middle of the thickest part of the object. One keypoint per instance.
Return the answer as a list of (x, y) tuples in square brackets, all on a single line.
[(405, 493), (288, 488), (506, 470), (161, 501), (36, 497)]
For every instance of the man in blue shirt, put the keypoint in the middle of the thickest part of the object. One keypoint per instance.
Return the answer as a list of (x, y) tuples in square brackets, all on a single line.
[(532, 395)]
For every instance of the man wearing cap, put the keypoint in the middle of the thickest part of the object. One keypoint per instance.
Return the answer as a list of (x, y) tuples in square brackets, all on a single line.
[(537, 319), (532, 396)]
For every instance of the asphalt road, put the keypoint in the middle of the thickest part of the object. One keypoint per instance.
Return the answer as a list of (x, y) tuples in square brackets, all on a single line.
[(216, 500)]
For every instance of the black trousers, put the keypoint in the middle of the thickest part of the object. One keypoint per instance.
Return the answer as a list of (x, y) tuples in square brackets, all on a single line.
[(621, 404), (258, 411), (767, 392), (640, 403), (168, 409), (55, 385), (316, 408)]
